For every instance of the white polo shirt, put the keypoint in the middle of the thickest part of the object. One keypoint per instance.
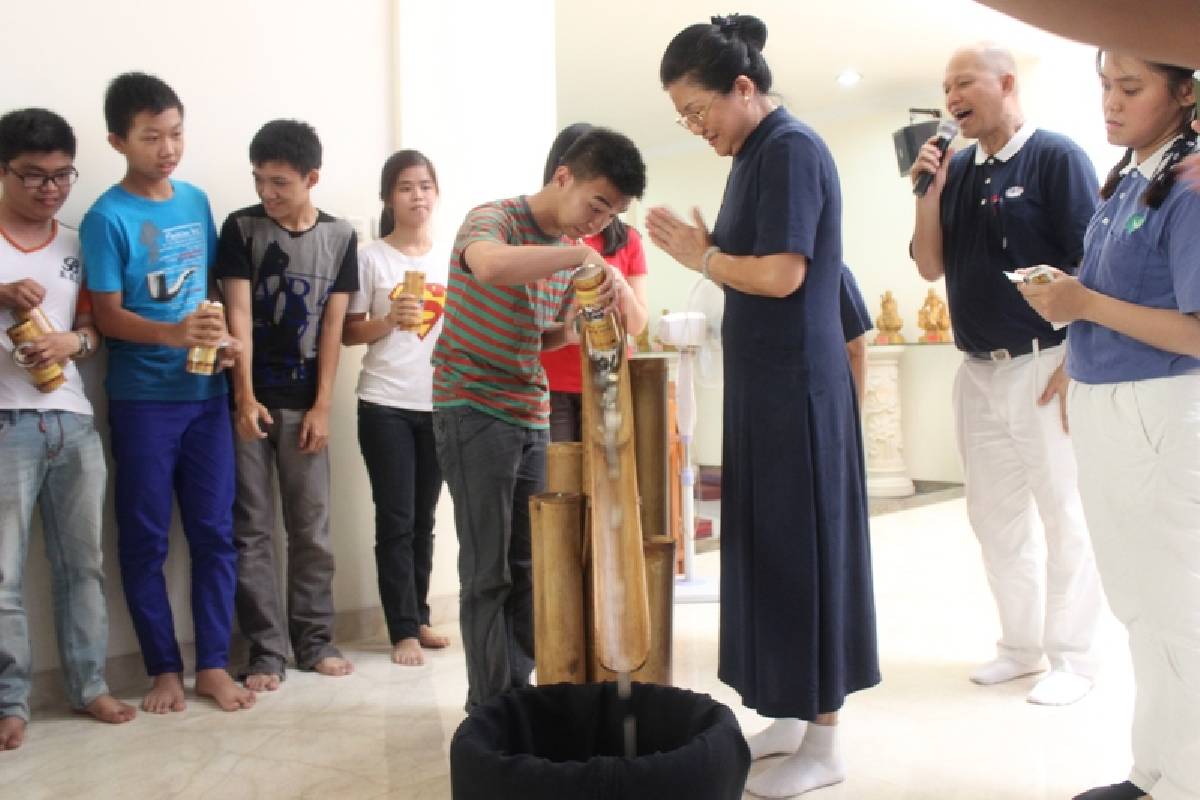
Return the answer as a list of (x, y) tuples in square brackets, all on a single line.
[(56, 266)]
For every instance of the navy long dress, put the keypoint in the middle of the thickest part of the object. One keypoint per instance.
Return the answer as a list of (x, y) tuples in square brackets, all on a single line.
[(797, 607)]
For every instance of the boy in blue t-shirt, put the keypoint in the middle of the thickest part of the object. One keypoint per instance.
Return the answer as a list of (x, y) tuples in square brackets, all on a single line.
[(148, 243)]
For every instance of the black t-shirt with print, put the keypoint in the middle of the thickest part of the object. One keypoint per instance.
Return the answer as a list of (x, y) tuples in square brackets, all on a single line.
[(291, 276)]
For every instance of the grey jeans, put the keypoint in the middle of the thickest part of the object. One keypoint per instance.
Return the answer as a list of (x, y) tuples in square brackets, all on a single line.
[(304, 488), (492, 468)]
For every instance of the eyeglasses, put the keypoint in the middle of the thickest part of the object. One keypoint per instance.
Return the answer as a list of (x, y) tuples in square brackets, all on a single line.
[(695, 119), (33, 181)]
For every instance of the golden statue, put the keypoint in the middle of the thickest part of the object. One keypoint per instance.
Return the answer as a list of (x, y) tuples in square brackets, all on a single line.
[(889, 323), (934, 319)]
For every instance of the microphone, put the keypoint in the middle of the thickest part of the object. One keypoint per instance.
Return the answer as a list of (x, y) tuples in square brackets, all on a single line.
[(947, 129)]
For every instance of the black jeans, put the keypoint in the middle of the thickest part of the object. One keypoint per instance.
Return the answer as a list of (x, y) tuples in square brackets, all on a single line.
[(398, 448), (492, 469)]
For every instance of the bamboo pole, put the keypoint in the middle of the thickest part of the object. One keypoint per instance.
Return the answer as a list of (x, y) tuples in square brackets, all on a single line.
[(564, 467), (558, 614), (648, 376), (660, 584), (621, 616), (660, 587)]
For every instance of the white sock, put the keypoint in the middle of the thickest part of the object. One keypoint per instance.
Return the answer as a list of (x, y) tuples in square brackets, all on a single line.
[(781, 737), (817, 763)]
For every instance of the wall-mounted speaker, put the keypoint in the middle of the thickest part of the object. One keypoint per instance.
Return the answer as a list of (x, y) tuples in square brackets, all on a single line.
[(908, 141)]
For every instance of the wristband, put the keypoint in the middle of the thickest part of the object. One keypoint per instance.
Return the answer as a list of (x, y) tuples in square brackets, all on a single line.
[(708, 254)]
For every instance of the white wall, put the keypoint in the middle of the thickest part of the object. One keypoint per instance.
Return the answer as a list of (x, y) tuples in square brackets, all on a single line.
[(455, 91), (235, 65), (372, 76), (1060, 92), (239, 64)]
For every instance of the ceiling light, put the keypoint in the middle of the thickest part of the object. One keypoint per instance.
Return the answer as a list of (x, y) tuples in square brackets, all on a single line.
[(849, 78)]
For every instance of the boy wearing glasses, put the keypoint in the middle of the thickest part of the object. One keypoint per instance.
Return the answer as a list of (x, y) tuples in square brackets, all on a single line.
[(52, 455), (509, 274), (148, 243)]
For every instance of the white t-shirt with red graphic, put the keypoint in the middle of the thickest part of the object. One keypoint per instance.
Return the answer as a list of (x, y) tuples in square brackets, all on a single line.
[(56, 266), (396, 370)]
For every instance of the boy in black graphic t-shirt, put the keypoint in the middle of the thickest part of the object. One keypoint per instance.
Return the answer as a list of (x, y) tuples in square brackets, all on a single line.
[(288, 271)]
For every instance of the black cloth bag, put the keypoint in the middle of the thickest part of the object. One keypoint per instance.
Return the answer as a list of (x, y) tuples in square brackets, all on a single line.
[(565, 742)]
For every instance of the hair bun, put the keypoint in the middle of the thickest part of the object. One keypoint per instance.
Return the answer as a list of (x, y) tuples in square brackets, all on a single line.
[(750, 29)]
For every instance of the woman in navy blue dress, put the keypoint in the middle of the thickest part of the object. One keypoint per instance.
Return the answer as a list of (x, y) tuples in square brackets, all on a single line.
[(797, 608)]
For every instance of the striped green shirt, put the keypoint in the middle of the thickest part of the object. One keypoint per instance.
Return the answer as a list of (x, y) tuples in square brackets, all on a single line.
[(487, 355)]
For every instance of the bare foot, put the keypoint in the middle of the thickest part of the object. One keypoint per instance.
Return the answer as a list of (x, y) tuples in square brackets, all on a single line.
[(12, 733), (262, 681), (431, 640), (107, 708), (217, 684), (166, 694), (333, 665), (407, 653)]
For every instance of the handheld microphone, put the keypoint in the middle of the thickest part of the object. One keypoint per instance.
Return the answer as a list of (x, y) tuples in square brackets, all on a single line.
[(946, 131)]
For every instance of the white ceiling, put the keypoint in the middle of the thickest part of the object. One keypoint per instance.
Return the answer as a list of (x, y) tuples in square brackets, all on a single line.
[(608, 55)]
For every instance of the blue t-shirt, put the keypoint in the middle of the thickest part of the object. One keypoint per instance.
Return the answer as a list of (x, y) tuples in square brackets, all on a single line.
[(157, 253), (1015, 209), (1142, 255)]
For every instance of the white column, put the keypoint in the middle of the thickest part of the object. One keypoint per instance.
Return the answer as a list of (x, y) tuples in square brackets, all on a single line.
[(883, 437), (475, 90)]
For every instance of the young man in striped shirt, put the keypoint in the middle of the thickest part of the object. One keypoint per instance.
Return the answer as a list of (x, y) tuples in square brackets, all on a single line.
[(509, 274)]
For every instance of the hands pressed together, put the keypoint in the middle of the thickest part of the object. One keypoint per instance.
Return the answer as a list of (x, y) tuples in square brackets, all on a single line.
[(682, 241)]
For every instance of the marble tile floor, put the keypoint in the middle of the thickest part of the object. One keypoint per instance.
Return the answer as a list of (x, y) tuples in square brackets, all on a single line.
[(926, 733)]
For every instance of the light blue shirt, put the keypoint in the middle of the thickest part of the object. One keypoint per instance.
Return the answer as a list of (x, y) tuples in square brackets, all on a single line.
[(1146, 256), (157, 253)]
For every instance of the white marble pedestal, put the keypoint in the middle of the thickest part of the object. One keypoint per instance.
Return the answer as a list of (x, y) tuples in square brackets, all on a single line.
[(883, 434)]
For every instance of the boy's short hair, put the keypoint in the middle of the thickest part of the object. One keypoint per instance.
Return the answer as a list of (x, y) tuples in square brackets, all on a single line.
[(288, 140), (604, 153), (34, 130), (132, 93)]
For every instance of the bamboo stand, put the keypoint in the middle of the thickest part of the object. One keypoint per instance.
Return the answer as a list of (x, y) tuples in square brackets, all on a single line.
[(612, 550)]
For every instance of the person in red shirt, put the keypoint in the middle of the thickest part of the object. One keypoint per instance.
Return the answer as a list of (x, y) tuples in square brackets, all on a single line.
[(621, 246)]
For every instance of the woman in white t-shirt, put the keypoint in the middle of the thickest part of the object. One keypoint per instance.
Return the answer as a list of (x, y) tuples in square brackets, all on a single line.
[(395, 396)]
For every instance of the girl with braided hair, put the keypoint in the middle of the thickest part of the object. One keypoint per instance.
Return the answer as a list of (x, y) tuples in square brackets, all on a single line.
[(1133, 357)]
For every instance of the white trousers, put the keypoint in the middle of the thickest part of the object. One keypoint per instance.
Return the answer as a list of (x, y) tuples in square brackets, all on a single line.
[(1015, 456), (1138, 446)]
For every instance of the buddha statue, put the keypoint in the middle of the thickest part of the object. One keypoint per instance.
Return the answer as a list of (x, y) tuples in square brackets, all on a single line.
[(889, 323), (934, 319)]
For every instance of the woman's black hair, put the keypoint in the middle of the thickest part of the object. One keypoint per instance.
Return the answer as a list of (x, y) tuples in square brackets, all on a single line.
[(1164, 176), (616, 234), (396, 164), (714, 54)]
